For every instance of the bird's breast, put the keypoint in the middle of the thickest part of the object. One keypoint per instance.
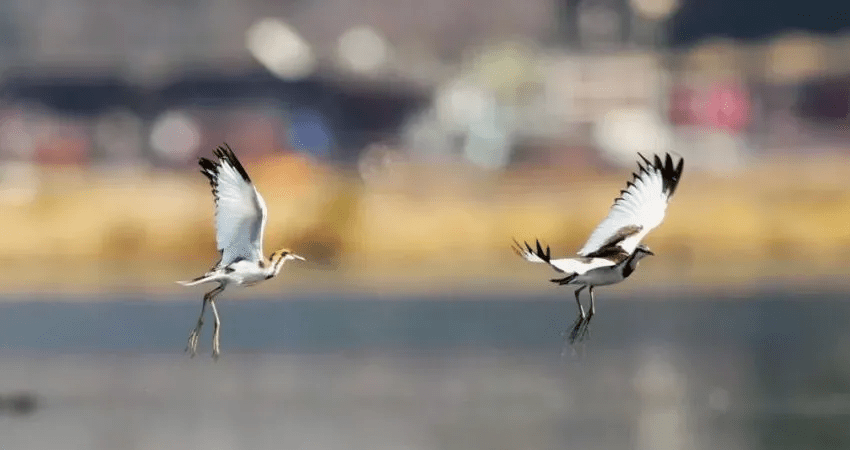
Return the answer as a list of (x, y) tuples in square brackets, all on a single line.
[(601, 276), (252, 279)]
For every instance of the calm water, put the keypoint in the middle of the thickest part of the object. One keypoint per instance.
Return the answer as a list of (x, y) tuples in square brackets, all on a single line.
[(770, 371)]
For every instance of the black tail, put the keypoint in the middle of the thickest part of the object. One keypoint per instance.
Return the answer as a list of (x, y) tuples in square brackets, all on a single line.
[(545, 256), (565, 280)]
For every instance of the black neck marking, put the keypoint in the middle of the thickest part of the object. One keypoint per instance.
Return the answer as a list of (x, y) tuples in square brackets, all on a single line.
[(629, 264)]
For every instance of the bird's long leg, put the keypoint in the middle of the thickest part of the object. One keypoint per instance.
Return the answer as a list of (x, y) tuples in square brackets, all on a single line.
[(216, 330), (585, 329), (192, 345), (582, 317)]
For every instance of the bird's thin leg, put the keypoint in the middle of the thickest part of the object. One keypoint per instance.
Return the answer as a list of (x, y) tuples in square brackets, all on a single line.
[(216, 328), (192, 345), (582, 317), (585, 329)]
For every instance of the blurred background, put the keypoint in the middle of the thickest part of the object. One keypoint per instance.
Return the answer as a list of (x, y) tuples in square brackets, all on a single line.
[(400, 146)]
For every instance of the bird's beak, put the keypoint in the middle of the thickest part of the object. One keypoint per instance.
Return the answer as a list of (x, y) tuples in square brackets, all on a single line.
[(649, 252), (298, 257)]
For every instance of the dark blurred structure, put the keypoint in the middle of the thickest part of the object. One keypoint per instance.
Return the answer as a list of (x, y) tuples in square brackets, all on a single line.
[(130, 83), (697, 20), (18, 403), (347, 116)]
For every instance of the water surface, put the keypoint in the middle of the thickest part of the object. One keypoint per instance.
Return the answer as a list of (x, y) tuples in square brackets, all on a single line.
[(766, 371)]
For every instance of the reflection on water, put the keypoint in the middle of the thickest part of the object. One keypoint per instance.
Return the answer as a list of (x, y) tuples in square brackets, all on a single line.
[(767, 372)]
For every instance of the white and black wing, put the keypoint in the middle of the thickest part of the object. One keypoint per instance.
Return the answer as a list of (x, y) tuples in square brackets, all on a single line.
[(639, 208), (563, 265), (537, 255), (240, 212)]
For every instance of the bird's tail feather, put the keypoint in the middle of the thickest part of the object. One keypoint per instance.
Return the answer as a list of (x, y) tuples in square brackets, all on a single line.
[(201, 279), (565, 280)]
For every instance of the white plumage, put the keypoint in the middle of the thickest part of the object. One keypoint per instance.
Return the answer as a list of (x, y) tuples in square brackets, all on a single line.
[(564, 265), (240, 220), (240, 213), (641, 205), (613, 250)]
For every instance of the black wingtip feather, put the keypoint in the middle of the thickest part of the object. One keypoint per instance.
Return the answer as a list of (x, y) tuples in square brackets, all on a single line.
[(208, 166), (225, 153), (517, 248), (210, 170), (670, 173)]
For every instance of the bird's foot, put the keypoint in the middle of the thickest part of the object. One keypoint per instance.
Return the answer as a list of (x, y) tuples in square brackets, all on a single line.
[(584, 330), (574, 334), (576, 331), (192, 345), (216, 351)]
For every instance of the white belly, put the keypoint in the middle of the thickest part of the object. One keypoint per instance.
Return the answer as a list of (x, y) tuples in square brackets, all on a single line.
[(599, 277), (246, 273)]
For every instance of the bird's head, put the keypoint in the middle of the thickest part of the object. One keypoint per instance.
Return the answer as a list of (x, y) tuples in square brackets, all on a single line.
[(281, 256), (642, 251)]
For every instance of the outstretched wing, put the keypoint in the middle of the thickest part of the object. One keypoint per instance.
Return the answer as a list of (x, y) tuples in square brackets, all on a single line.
[(240, 212), (564, 265), (639, 208)]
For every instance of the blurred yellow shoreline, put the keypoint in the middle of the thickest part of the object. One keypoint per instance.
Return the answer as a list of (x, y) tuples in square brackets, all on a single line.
[(432, 228), (516, 280)]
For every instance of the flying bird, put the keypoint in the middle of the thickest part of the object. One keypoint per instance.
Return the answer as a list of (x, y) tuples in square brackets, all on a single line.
[(614, 248), (240, 220)]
